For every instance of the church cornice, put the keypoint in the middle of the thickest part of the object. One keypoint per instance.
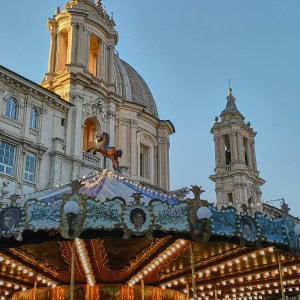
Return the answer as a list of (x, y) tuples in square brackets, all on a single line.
[(29, 87)]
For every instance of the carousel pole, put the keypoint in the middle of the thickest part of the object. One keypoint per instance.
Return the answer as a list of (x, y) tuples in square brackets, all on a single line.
[(187, 291), (280, 274), (34, 290), (216, 295), (72, 270), (143, 289), (193, 271)]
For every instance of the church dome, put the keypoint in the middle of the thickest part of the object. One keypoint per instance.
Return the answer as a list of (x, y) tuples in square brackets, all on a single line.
[(131, 86)]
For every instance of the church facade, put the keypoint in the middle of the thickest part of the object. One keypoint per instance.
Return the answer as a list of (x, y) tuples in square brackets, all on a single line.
[(46, 129)]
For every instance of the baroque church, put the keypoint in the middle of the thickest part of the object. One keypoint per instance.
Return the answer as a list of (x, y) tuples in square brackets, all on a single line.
[(72, 228), (87, 90), (46, 129)]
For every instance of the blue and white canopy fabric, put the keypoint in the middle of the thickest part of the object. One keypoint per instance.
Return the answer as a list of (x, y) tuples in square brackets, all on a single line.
[(106, 202)]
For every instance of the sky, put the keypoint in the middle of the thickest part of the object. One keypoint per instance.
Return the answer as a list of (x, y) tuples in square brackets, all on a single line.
[(187, 51)]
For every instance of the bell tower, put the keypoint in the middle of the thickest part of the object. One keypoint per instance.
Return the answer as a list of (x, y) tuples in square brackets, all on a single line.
[(236, 176), (82, 41)]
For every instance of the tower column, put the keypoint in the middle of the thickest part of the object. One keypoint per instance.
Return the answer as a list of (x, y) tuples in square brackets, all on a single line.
[(217, 152), (110, 64), (73, 43), (222, 150), (100, 62), (240, 147), (252, 147), (233, 142), (80, 50), (103, 60), (133, 148), (87, 49), (249, 154), (52, 51)]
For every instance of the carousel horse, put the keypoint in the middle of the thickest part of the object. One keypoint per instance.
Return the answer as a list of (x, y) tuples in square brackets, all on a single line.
[(103, 148)]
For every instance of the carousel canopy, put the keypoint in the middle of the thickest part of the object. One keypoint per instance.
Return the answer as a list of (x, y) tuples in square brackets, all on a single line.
[(125, 235)]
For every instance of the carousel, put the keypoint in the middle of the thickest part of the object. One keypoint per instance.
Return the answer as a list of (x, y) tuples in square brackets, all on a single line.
[(105, 236)]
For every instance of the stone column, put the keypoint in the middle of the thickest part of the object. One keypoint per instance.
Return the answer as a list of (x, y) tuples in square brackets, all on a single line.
[(73, 43), (133, 147), (234, 152), (76, 130), (240, 147), (217, 153), (163, 164), (81, 44), (52, 50), (249, 154), (110, 68), (252, 147), (222, 150), (26, 117), (103, 59), (123, 123), (110, 128), (87, 47), (100, 62)]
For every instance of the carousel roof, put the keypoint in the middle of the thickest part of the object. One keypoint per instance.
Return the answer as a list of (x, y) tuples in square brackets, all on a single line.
[(230, 255)]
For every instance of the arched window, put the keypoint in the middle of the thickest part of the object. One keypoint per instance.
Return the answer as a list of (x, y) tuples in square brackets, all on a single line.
[(146, 156), (227, 150), (11, 108), (89, 134), (33, 121)]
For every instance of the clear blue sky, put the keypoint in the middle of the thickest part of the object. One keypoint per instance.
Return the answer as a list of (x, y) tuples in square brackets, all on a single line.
[(186, 51)]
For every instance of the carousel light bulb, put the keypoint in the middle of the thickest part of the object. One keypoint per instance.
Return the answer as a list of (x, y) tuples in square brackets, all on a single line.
[(207, 272), (30, 274), (6, 293), (17, 286), (145, 272), (39, 278), (215, 269), (182, 280), (245, 258), (173, 249), (270, 249), (9, 284), (13, 265), (1, 282), (169, 252), (222, 266), (253, 255), (262, 252), (24, 288), (1, 258), (7, 261), (25, 271), (163, 286), (160, 259), (20, 268), (229, 263), (164, 256), (44, 281), (237, 261)]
